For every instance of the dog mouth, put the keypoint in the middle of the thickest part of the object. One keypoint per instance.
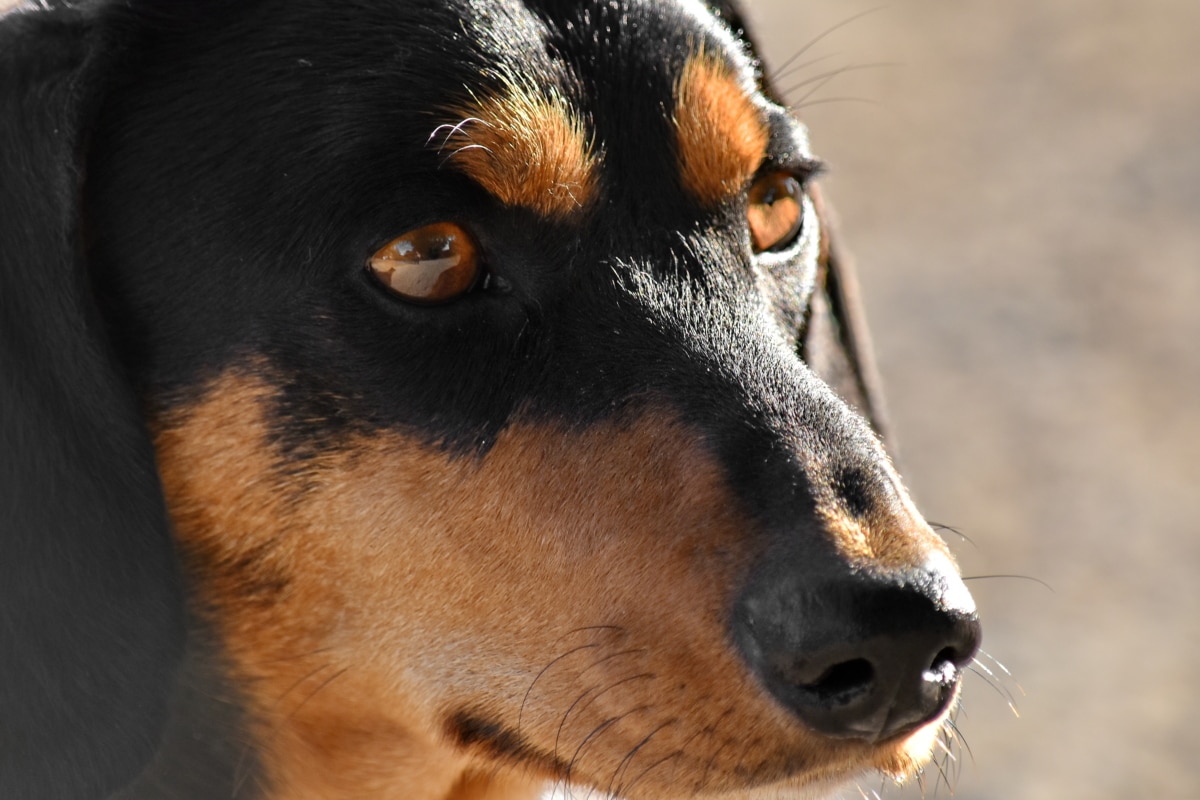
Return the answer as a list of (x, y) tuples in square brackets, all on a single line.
[(860, 674), (899, 759), (693, 668), (649, 742), (793, 776)]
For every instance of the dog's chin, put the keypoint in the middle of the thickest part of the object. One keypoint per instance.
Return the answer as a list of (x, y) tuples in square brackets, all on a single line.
[(897, 762)]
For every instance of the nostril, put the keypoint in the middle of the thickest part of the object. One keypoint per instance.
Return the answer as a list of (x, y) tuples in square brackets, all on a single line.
[(841, 683), (868, 657), (945, 666)]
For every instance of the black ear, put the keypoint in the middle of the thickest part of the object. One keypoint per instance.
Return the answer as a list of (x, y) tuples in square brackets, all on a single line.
[(837, 346), (90, 599)]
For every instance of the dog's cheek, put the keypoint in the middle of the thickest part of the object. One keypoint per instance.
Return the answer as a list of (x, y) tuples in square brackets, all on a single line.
[(272, 583), (561, 602), (372, 594)]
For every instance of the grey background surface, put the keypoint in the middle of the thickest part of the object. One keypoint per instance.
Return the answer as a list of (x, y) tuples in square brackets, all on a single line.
[(1022, 194)]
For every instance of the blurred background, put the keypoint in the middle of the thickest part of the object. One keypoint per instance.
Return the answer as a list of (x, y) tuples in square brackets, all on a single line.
[(1021, 190)]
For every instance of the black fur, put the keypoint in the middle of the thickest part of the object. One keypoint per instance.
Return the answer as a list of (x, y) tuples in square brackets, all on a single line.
[(90, 609), (472, 731), (185, 185)]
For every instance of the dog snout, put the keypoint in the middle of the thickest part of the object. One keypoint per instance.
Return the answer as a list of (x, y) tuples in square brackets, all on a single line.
[(865, 655)]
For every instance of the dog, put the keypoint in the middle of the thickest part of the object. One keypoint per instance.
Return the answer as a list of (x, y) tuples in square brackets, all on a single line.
[(439, 401)]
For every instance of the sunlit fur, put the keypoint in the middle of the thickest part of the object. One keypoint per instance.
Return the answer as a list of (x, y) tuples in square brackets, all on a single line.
[(526, 146), (410, 552), (402, 586), (721, 132)]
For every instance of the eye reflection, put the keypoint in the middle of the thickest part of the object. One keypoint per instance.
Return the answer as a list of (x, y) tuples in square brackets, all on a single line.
[(431, 264), (775, 213)]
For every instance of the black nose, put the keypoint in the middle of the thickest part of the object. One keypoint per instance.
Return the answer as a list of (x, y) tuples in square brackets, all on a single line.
[(862, 655)]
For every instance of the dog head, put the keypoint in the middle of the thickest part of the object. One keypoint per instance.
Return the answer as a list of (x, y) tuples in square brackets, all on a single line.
[(469, 355)]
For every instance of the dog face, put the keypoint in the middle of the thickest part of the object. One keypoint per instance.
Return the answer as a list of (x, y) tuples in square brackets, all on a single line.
[(468, 340)]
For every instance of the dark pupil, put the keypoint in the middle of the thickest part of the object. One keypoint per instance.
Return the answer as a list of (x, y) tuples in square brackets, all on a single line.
[(439, 248)]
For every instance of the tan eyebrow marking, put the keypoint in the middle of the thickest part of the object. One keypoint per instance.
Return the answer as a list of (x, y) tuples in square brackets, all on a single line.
[(721, 133), (527, 147)]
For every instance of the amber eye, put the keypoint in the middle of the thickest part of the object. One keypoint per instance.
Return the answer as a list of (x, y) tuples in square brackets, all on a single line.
[(776, 211), (433, 264)]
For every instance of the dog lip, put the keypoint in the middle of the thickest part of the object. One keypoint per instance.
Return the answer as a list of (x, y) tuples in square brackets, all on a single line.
[(903, 732), (933, 681)]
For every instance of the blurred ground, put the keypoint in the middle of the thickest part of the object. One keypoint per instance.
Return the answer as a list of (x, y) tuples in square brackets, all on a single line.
[(1023, 198)]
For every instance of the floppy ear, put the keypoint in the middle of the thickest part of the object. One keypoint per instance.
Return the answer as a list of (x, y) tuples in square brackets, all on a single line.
[(836, 344), (90, 600)]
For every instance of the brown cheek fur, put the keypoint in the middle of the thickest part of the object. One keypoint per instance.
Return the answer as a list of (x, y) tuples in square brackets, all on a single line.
[(527, 149), (394, 589), (721, 135)]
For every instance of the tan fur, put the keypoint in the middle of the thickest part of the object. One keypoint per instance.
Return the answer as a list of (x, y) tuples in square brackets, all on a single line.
[(721, 133), (875, 540), (391, 586), (490, 785), (527, 147)]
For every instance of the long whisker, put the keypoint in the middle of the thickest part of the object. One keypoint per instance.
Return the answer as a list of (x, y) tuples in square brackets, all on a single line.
[(619, 653), (279, 700), (454, 129), (997, 663), (815, 40), (1038, 581), (826, 100), (997, 678), (949, 753), (825, 77), (240, 772), (628, 759), (648, 769), (939, 526), (1009, 700), (538, 677), (325, 683), (953, 726), (611, 686), (780, 73), (942, 777), (597, 732), (463, 149)]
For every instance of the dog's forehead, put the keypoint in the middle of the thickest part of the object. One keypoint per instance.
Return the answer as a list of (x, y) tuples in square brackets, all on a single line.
[(546, 34), (562, 92)]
